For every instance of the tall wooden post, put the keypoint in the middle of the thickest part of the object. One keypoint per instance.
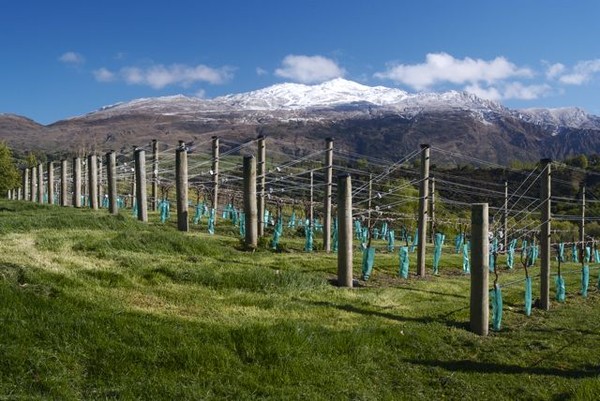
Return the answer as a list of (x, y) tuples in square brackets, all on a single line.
[(111, 174), (215, 176), (344, 212), (250, 207), (181, 183), (423, 201), (33, 184), (545, 199), (100, 181), (505, 218), (432, 210), (25, 183), (63, 183), (40, 183), (92, 170), (154, 175), (50, 179), (479, 307), (582, 224), (369, 201), (327, 198), (140, 179), (76, 182), (261, 178), (311, 213)]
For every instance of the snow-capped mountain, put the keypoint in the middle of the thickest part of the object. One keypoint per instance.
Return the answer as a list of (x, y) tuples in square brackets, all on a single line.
[(377, 120)]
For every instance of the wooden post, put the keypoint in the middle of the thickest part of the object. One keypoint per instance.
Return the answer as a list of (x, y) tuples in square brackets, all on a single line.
[(63, 183), (40, 185), (311, 213), (25, 184), (545, 199), (33, 184), (140, 179), (50, 179), (181, 183), (369, 202), (432, 204), (154, 175), (250, 207), (479, 307), (344, 212), (111, 175), (327, 198), (76, 182), (261, 178), (505, 218), (582, 224), (215, 176), (423, 198), (92, 170), (100, 181)]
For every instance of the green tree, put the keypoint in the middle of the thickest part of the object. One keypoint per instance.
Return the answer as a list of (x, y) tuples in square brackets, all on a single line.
[(31, 160), (9, 175)]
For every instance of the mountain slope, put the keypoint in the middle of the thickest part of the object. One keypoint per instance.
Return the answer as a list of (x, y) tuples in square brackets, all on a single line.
[(380, 121)]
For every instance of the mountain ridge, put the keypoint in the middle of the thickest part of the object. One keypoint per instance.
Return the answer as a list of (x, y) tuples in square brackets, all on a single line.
[(374, 120)]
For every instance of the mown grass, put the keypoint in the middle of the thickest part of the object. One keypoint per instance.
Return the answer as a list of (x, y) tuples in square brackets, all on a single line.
[(101, 307)]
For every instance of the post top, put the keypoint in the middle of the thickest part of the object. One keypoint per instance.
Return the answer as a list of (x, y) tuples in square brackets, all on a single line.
[(329, 139), (424, 146), (261, 136), (343, 175), (546, 161), (214, 137)]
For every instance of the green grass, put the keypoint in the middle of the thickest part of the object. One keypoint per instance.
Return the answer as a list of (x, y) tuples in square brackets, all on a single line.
[(101, 307)]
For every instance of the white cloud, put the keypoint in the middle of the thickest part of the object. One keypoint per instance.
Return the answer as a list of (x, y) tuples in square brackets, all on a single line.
[(443, 68), (490, 93), (309, 69), (72, 58), (201, 93), (581, 73), (103, 75), (555, 70), (511, 90), (261, 71), (516, 90), (160, 76)]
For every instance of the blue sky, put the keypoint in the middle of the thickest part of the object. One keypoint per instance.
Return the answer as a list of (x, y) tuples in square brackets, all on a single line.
[(66, 58)]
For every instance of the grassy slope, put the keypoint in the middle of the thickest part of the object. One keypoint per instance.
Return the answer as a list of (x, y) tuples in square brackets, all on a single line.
[(96, 307)]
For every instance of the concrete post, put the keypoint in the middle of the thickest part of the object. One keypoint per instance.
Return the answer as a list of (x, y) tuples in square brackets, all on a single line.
[(261, 179), (111, 174), (154, 202), (92, 170), (76, 182), (215, 177), (40, 185), (250, 207), (50, 179), (63, 183), (479, 307), (140, 179), (344, 212), (545, 199), (181, 183), (423, 198), (25, 184), (327, 198)]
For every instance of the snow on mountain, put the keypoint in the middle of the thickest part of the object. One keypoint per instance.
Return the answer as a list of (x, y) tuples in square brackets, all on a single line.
[(572, 117), (288, 99)]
